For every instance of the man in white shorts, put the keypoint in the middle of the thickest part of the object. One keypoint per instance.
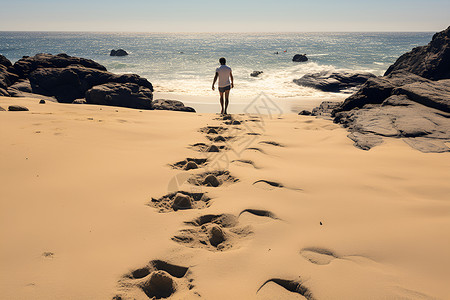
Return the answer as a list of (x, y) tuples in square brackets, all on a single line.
[(224, 74)]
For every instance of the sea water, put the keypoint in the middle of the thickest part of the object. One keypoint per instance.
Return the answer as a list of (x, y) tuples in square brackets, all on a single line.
[(183, 64)]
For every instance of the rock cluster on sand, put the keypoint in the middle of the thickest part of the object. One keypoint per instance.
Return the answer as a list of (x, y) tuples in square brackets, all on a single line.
[(334, 81), (300, 58), (163, 104), (118, 52), (412, 101), (66, 79)]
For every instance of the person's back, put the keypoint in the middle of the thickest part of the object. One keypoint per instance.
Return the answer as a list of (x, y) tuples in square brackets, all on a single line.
[(223, 73)]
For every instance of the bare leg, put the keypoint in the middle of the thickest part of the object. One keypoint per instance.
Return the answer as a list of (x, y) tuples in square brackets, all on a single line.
[(221, 103), (227, 94)]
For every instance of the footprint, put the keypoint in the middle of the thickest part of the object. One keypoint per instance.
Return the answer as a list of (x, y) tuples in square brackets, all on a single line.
[(180, 201), (256, 149), (190, 163), (219, 138), (270, 185), (202, 147), (233, 122), (267, 185), (212, 179), (260, 213), (272, 143), (245, 162), (291, 286), (318, 256), (213, 129), (158, 279), (213, 233)]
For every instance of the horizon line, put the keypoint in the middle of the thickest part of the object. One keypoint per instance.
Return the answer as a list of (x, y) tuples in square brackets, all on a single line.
[(225, 32)]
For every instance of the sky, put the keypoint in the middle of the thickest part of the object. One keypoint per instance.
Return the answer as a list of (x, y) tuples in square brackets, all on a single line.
[(224, 15)]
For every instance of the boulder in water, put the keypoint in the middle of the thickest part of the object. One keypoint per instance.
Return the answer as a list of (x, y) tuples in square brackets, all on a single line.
[(118, 52), (300, 58)]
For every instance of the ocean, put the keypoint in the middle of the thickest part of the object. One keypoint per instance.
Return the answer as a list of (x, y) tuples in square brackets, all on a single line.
[(183, 64)]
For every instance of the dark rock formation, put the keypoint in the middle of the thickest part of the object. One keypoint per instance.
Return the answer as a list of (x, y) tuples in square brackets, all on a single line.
[(4, 61), (325, 108), (42, 101), (305, 113), (431, 61), (405, 103), (26, 65), (333, 82), (300, 58), (163, 104), (68, 84), (6, 79), (17, 108), (256, 73), (120, 94), (118, 52)]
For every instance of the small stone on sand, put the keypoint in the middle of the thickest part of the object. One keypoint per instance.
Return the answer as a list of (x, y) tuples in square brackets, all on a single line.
[(190, 165), (211, 180), (216, 235), (181, 202), (212, 148)]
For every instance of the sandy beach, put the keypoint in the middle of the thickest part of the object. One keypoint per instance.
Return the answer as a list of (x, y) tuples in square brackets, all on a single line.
[(302, 213)]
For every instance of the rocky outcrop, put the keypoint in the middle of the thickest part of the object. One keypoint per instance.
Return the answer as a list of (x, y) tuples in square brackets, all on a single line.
[(256, 73), (300, 58), (405, 103), (129, 95), (333, 81), (4, 61), (26, 65), (431, 61), (68, 84), (325, 109), (67, 79), (163, 104), (118, 52)]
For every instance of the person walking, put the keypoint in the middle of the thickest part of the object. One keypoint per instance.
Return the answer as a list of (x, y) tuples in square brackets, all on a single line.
[(224, 74)]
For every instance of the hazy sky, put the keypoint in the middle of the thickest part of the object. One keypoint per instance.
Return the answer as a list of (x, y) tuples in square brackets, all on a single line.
[(224, 15)]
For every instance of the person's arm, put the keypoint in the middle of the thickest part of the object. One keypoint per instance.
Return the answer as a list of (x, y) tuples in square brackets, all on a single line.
[(215, 79), (232, 80)]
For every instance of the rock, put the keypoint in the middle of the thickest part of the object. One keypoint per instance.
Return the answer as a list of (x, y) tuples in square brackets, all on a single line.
[(212, 148), (190, 165), (325, 108), (4, 61), (211, 180), (181, 201), (7, 78), (427, 145), (26, 65), (216, 235), (219, 139), (256, 73), (212, 131), (42, 101), (304, 113), (365, 141), (434, 94), (118, 52), (68, 84), (4, 93), (376, 90), (431, 61), (79, 101), (17, 108), (2, 109), (333, 82), (120, 94), (300, 58), (159, 285), (175, 105)]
